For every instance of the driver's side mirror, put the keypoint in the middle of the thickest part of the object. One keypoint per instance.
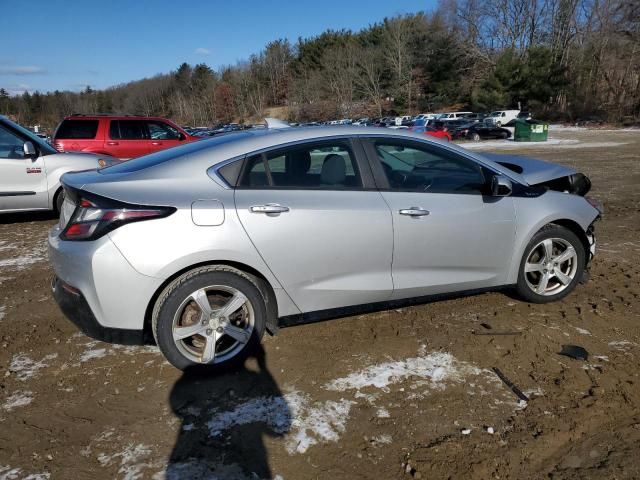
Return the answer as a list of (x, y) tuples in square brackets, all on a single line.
[(181, 136), (501, 186), (29, 150)]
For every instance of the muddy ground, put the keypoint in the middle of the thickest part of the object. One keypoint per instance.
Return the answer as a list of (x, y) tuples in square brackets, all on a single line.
[(406, 393)]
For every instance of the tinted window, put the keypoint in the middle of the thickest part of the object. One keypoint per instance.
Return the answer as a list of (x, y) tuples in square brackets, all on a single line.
[(162, 131), (231, 172), (413, 167), (11, 146), (80, 129), (329, 165), (127, 130)]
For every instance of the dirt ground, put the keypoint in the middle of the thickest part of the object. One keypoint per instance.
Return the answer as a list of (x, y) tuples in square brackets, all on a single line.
[(407, 393)]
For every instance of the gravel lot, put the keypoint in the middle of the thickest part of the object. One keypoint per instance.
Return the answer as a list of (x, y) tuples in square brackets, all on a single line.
[(407, 393)]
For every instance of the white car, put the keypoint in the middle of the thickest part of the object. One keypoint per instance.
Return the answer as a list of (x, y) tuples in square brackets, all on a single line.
[(426, 116), (30, 169), (502, 117), (400, 120), (453, 115)]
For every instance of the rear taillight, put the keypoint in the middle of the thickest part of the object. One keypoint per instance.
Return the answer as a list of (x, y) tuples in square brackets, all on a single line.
[(91, 220)]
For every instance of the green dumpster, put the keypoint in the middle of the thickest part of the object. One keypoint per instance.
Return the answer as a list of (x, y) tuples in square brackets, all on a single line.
[(531, 131)]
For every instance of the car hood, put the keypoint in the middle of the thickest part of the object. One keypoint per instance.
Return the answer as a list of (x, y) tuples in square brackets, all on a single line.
[(534, 171)]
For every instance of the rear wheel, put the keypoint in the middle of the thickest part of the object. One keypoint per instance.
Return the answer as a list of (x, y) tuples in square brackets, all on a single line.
[(209, 319), (552, 265), (58, 200)]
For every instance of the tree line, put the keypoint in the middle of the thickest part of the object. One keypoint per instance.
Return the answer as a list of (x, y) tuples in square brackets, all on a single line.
[(560, 59)]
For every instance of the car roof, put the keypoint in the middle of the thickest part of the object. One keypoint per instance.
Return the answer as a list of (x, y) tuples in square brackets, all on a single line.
[(232, 146)]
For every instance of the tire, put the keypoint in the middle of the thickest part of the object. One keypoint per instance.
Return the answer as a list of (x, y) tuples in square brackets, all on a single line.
[(208, 345), (562, 276), (58, 201), (475, 137), (498, 123), (504, 135)]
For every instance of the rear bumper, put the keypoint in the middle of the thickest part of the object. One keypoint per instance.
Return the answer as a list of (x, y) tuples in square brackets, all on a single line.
[(75, 307), (112, 291)]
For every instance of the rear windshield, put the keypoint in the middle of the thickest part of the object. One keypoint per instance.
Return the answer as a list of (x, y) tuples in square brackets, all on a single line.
[(77, 129)]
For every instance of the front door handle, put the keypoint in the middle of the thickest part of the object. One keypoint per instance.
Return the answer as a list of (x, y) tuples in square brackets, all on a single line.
[(156, 143), (269, 208), (113, 143), (414, 212)]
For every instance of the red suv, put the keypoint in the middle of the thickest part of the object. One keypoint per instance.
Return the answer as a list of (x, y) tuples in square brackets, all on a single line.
[(124, 137)]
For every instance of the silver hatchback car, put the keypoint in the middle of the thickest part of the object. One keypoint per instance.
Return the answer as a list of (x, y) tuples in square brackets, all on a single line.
[(206, 246)]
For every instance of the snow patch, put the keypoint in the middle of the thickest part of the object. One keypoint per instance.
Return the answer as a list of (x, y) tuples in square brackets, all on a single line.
[(95, 350), (574, 128), (93, 354), (552, 142), (131, 461), (305, 423), (582, 331), (513, 144), (383, 439), (26, 368), (622, 345), (8, 473), (383, 413), (22, 257), (436, 368), (17, 399), (3, 311)]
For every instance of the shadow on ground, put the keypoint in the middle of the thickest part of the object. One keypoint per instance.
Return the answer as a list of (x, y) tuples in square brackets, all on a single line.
[(24, 217), (238, 451)]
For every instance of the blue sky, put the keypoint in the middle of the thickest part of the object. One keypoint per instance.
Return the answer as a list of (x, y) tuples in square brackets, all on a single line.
[(66, 45)]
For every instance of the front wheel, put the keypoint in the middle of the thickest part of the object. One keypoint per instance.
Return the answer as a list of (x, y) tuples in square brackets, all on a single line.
[(475, 137), (552, 265), (209, 319)]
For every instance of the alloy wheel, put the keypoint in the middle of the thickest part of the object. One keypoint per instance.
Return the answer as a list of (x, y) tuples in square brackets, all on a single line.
[(551, 266), (213, 324)]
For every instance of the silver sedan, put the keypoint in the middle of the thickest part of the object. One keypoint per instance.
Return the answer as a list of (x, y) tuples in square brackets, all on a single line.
[(204, 247)]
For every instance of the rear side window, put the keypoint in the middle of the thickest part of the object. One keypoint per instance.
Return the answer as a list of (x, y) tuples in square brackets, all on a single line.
[(327, 165), (127, 130), (79, 129)]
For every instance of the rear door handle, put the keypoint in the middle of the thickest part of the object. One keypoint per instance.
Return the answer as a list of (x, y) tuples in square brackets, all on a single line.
[(156, 143), (269, 208), (113, 143), (414, 212)]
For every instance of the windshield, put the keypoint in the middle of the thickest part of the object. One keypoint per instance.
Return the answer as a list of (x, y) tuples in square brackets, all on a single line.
[(45, 148), (495, 114)]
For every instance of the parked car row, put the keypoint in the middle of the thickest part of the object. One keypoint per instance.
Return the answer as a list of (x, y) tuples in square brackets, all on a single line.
[(220, 129), (131, 136)]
